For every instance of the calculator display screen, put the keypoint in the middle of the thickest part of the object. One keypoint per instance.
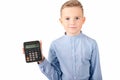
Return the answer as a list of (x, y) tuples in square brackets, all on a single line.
[(32, 46)]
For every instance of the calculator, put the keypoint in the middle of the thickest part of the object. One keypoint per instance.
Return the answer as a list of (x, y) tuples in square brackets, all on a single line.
[(32, 51)]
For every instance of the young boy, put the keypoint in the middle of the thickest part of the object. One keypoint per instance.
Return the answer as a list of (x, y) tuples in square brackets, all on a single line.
[(73, 56)]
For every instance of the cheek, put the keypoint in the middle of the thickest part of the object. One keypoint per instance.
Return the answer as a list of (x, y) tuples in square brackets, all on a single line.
[(80, 23), (65, 23)]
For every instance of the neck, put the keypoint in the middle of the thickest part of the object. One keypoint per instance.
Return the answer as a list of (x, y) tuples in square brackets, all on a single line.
[(72, 34)]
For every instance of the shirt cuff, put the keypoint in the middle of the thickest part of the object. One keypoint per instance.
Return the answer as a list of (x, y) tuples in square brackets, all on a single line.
[(43, 63)]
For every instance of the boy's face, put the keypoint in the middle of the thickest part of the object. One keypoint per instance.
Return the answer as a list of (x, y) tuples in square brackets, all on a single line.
[(72, 19)]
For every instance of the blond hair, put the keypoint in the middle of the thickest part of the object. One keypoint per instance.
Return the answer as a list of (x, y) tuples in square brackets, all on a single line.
[(72, 3)]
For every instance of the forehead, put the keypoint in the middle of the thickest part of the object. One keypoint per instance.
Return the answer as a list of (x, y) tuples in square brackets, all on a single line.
[(72, 11)]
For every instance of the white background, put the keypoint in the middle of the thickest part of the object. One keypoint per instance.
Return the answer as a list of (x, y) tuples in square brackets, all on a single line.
[(25, 20)]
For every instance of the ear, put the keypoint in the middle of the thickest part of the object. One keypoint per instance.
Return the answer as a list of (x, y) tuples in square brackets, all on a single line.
[(83, 20), (60, 20)]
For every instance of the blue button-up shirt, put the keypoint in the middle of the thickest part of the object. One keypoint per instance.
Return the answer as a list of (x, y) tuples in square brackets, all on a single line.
[(72, 58)]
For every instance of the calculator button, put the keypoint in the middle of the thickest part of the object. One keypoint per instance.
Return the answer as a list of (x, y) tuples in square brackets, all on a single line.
[(27, 58), (29, 54), (36, 55), (30, 59), (33, 58)]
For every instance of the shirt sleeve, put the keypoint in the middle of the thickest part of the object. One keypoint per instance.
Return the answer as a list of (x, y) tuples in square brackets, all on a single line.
[(95, 69), (51, 68)]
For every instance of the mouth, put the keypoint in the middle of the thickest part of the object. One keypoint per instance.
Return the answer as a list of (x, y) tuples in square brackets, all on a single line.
[(72, 26)]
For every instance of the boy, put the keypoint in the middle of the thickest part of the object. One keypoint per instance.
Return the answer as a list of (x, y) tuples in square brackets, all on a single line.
[(73, 56)]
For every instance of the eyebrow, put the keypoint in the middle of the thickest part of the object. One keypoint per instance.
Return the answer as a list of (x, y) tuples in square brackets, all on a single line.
[(74, 16)]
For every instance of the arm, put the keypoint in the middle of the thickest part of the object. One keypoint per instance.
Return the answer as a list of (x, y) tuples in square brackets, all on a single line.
[(51, 69), (95, 69)]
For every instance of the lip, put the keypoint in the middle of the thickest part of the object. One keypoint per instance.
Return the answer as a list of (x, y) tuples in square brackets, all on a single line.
[(72, 27)]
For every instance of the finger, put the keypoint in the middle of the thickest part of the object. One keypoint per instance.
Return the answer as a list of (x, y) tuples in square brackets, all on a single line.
[(23, 50), (41, 44), (41, 48)]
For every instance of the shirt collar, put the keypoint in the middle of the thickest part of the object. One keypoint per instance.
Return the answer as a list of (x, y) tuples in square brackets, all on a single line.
[(76, 36)]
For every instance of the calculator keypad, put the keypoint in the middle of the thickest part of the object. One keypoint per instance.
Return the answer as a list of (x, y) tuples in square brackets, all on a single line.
[(33, 55)]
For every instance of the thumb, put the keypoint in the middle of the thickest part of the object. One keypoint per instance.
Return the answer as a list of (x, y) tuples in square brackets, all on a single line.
[(41, 44)]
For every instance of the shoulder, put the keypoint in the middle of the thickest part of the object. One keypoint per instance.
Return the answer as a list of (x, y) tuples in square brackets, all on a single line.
[(57, 41), (89, 40)]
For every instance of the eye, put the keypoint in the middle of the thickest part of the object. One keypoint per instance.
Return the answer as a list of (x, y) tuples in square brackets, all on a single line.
[(76, 18), (67, 18)]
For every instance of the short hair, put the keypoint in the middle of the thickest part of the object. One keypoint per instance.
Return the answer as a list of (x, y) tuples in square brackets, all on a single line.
[(72, 3)]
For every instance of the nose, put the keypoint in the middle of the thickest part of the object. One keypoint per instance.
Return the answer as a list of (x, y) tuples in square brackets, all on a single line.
[(72, 21)]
